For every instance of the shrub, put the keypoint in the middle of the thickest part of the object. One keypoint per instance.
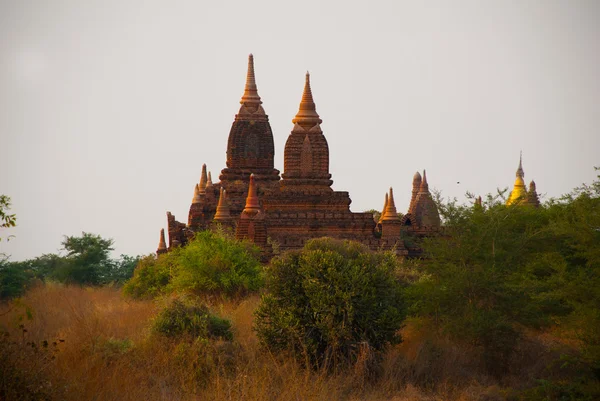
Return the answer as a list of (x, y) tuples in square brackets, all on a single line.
[(210, 264), (328, 301), (183, 316), (150, 278)]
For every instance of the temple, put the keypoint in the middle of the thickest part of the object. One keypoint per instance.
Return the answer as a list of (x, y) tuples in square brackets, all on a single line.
[(520, 195), (258, 204)]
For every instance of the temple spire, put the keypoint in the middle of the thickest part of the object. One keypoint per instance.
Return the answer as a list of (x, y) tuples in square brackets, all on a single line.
[(424, 185), (390, 210), (197, 198), (252, 199), (223, 212), (385, 203), (307, 116), (162, 244), (209, 182), (250, 96), (520, 172), (203, 180)]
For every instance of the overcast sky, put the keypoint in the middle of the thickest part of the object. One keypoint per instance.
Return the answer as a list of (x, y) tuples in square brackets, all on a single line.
[(109, 108)]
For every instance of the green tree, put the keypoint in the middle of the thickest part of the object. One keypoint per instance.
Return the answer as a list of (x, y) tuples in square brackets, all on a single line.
[(6, 219), (211, 264), (87, 260), (327, 300)]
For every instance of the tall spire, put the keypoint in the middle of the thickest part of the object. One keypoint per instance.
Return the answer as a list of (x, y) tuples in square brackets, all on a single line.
[(252, 199), (307, 116), (390, 210), (520, 172), (519, 192), (250, 96), (203, 180), (197, 198), (209, 182), (424, 185), (223, 212), (162, 245), (385, 203)]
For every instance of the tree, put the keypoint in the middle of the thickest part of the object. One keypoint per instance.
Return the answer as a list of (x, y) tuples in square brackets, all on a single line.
[(6, 219), (211, 264), (87, 260), (329, 299)]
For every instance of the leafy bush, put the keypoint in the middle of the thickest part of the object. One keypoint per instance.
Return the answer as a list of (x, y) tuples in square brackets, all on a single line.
[(327, 301), (210, 264), (150, 277), (182, 316)]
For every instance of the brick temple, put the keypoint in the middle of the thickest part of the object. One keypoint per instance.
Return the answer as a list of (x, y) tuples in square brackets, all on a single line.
[(258, 203)]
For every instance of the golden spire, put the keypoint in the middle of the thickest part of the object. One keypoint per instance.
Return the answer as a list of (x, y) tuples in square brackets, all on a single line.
[(478, 201), (223, 212), (385, 203), (197, 198), (252, 199), (250, 96), (390, 212), (519, 192), (162, 245), (209, 182), (307, 116), (203, 180)]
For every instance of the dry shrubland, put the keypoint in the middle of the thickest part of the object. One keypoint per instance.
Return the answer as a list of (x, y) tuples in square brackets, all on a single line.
[(100, 347)]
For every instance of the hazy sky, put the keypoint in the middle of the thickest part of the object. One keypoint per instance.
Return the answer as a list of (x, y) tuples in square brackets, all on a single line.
[(109, 108)]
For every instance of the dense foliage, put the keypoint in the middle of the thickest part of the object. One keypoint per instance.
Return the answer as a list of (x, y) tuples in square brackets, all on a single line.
[(184, 316), (87, 262), (327, 300), (210, 264), (498, 270)]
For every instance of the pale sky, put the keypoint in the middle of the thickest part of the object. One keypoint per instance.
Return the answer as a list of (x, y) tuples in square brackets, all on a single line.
[(109, 108)]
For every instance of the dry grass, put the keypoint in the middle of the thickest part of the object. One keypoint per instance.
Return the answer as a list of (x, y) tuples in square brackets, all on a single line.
[(109, 353)]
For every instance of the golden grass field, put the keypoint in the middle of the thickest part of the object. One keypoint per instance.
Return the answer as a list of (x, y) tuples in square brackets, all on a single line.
[(107, 352)]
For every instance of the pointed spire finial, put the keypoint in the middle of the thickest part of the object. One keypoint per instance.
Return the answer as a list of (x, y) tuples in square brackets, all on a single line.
[(307, 115), (390, 210), (209, 182), (252, 199), (385, 203), (520, 172), (162, 244), (424, 185), (203, 180), (197, 198), (417, 179), (250, 91), (223, 212)]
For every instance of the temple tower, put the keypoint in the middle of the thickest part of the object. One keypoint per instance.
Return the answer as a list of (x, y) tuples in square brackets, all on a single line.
[(251, 224), (390, 223), (162, 245), (532, 196), (519, 192), (306, 157), (250, 147), (415, 191), (425, 213)]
